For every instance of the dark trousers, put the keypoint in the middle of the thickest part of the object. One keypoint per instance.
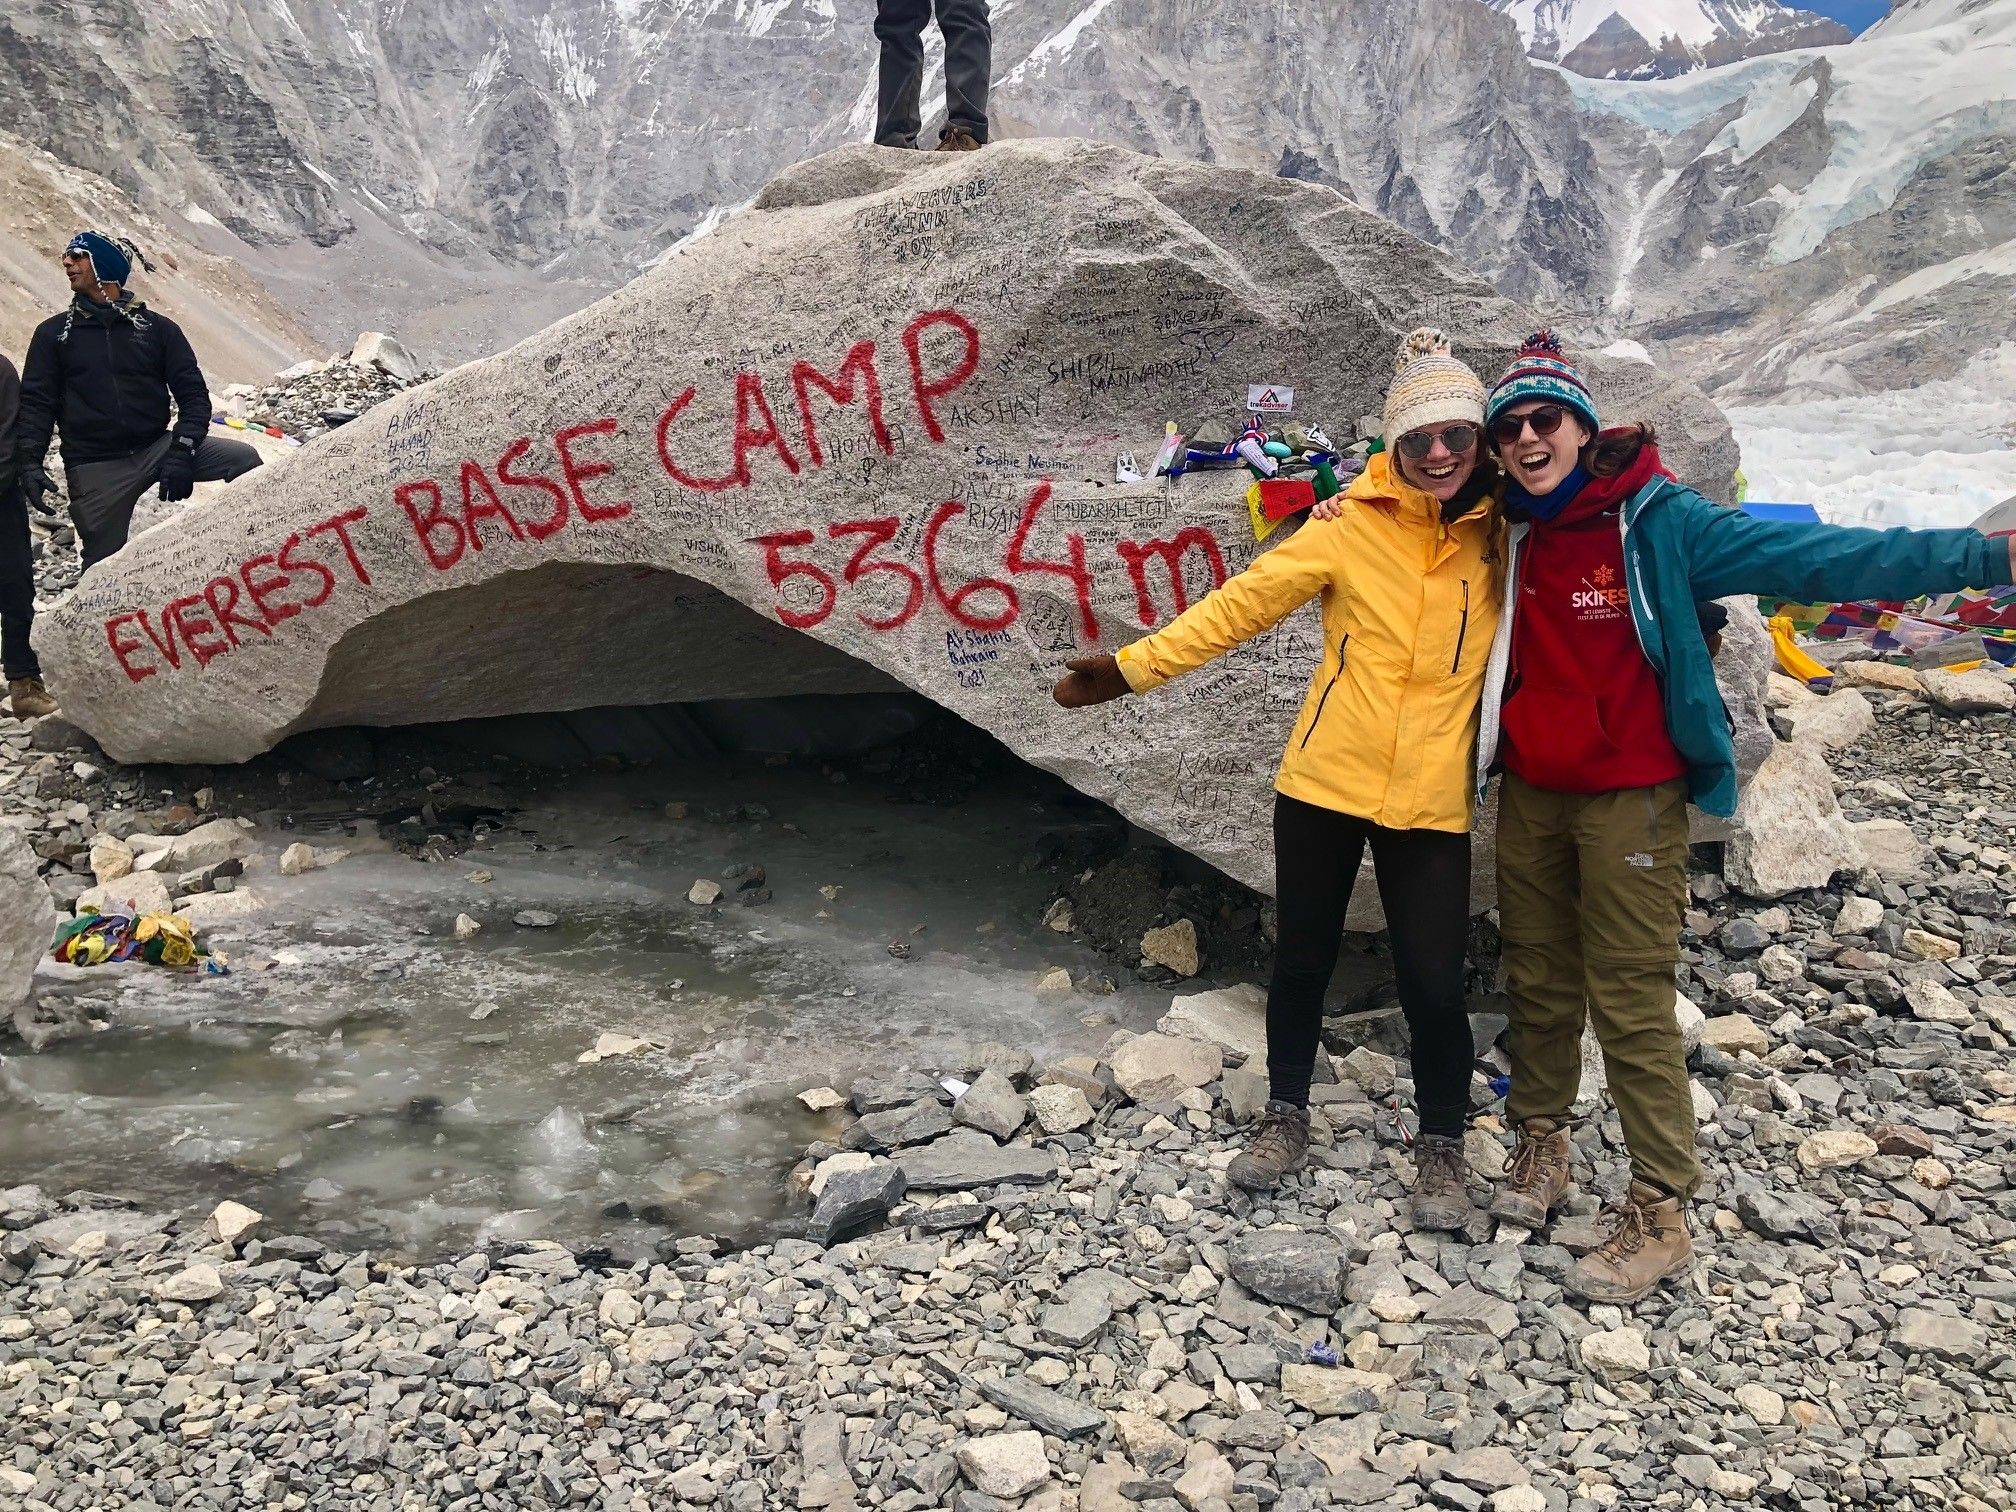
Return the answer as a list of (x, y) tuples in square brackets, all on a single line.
[(102, 494), (17, 586), (1424, 884), (969, 60)]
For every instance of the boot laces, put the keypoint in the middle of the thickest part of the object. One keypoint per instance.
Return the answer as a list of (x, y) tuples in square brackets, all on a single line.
[(1530, 1160), (1633, 1228), (1274, 1139), (1440, 1162)]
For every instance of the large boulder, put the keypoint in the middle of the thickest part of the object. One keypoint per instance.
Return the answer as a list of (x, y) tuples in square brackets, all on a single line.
[(1790, 833), (27, 918), (863, 435)]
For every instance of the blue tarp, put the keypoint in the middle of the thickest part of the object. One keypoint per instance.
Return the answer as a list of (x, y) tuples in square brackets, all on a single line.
[(1804, 512)]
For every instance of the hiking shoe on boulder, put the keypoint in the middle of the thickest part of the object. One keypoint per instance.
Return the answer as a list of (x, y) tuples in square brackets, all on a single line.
[(1538, 1176), (1441, 1196), (1280, 1144), (29, 699), (1648, 1245), (958, 139)]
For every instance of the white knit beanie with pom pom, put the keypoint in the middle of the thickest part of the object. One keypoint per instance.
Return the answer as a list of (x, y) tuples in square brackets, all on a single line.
[(1430, 387)]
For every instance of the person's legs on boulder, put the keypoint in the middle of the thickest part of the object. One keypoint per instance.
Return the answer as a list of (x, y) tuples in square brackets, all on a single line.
[(220, 459), (1633, 850), (102, 496), (899, 28), (1539, 918), (1424, 886), (969, 66), (1316, 856), (27, 697)]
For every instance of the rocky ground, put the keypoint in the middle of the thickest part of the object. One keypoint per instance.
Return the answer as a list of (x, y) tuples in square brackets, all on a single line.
[(1057, 1301)]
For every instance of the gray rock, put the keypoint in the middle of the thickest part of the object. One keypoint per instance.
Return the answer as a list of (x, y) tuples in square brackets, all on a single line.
[(27, 917), (853, 1198), (960, 1161), (1297, 1269), (991, 1105), (891, 1129), (1050, 1411), (879, 1094), (1919, 1330)]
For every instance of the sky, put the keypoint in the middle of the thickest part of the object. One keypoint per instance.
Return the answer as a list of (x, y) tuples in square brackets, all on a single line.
[(1856, 15)]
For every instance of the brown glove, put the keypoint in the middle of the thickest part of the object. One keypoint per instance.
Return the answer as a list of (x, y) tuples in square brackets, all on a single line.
[(1090, 680)]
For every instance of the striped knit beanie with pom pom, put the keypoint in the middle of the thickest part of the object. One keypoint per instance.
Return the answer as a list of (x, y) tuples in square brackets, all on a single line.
[(1540, 371), (1430, 386)]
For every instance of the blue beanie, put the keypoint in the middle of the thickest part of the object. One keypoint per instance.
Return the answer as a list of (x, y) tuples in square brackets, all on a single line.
[(110, 262), (1540, 371)]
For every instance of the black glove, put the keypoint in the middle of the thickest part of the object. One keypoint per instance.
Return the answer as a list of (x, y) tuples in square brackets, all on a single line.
[(178, 471), (35, 484)]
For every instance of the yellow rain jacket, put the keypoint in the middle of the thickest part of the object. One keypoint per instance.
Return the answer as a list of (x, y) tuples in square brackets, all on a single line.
[(1388, 729)]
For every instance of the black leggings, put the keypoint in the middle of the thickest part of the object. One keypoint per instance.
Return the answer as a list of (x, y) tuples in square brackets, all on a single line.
[(1424, 884)]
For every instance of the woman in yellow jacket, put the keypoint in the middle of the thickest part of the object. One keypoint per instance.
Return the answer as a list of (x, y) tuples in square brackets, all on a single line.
[(1409, 574)]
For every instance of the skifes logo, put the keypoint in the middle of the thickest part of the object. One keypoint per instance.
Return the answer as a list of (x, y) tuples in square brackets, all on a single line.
[(534, 488), (1601, 596)]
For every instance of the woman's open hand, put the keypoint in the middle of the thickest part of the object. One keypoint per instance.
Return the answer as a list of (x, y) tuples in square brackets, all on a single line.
[(1328, 509), (1090, 680)]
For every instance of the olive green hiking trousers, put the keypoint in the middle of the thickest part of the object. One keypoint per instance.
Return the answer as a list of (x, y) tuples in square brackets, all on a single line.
[(1591, 888)]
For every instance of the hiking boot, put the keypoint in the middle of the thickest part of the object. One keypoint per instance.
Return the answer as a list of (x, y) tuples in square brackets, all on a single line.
[(1441, 1195), (1648, 1245), (1280, 1144), (958, 139), (1538, 1176), (29, 699)]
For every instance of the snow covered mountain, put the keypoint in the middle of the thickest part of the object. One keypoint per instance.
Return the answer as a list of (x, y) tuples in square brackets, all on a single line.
[(1828, 221), (1657, 39)]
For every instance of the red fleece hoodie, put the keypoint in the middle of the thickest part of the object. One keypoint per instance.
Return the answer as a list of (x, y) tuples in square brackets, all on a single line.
[(1585, 713)]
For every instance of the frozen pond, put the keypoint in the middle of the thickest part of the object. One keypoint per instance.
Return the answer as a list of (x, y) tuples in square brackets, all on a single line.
[(363, 1075)]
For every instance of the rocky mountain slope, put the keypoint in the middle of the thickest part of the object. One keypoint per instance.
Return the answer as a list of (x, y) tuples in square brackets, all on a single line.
[(1828, 221), (242, 331), (1658, 39)]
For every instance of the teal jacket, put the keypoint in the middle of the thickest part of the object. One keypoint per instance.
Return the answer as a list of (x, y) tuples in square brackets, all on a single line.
[(1680, 548)]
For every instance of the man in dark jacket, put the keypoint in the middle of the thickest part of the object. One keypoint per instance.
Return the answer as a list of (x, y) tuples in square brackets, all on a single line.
[(969, 61), (103, 373), (27, 697)]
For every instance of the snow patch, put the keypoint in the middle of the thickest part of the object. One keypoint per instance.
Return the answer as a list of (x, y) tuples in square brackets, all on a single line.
[(1991, 262), (197, 214)]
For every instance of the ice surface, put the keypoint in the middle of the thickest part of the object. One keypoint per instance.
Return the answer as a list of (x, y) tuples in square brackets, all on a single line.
[(1937, 455)]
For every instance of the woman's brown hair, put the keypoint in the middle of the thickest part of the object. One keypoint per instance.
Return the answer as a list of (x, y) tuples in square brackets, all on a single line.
[(1613, 451)]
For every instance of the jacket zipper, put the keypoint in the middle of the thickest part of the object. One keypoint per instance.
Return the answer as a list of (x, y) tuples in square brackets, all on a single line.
[(1462, 630), (1318, 719)]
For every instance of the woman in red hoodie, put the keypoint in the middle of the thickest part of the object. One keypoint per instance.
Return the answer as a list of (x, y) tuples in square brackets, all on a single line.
[(1611, 724)]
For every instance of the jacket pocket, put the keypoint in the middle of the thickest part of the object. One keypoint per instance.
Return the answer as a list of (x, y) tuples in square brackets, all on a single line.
[(1558, 735), (1328, 688), (1462, 632)]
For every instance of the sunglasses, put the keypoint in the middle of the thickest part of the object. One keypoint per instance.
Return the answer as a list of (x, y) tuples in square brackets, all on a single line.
[(1416, 445), (1545, 420)]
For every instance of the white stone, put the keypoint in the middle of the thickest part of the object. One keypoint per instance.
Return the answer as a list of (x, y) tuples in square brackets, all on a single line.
[(1234, 1018), (1976, 692), (1765, 1406), (1207, 1483), (1060, 1109), (1155, 1067), (231, 1221), (610, 1046), (466, 928), (299, 858), (1006, 1465), (199, 1283), (704, 892), (18, 1482), (835, 1165), (140, 892), (1334, 1391), (1703, 1100), (1616, 1355), (1835, 1149), (1840, 719), (208, 910), (27, 918), (1734, 1033), (1923, 945), (1078, 240), (205, 845), (376, 349), (1934, 1004), (111, 859), (821, 1099), (1688, 1015), (1789, 831), (1858, 916), (1875, 792), (1780, 963), (1519, 1499), (1890, 849), (1173, 946), (1878, 674), (1056, 982)]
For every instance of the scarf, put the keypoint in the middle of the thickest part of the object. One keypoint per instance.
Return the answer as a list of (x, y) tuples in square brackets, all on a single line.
[(129, 309), (1544, 507)]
